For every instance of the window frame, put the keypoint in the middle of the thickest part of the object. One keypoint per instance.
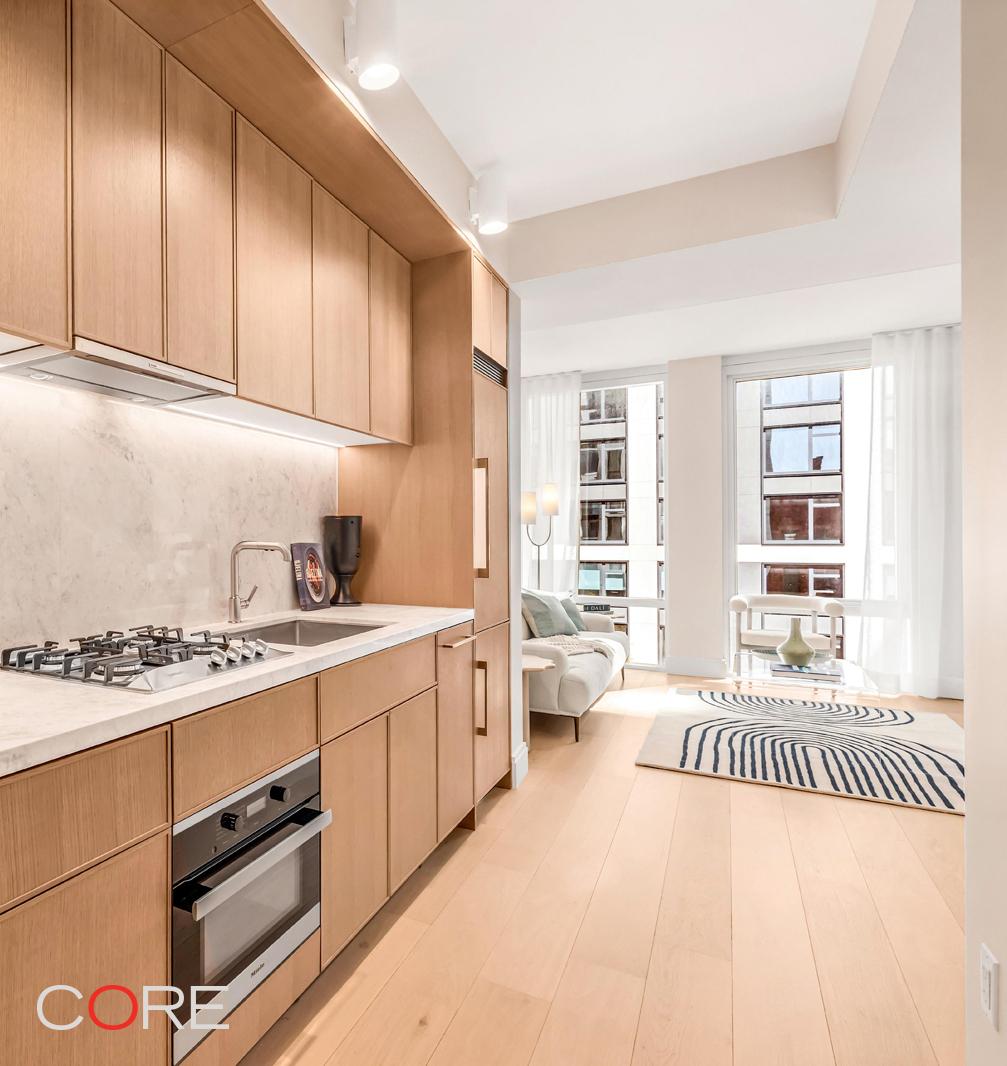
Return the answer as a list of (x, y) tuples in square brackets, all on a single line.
[(605, 539), (811, 568), (802, 473), (809, 497), (807, 403), (604, 390), (597, 443), (603, 564)]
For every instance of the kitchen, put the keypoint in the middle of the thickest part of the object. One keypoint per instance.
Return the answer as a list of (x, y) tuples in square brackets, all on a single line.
[(227, 312)]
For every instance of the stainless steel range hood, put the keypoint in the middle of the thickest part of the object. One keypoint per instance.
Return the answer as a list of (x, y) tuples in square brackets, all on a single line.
[(111, 372)]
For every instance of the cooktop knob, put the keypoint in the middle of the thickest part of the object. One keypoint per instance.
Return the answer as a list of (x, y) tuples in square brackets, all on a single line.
[(233, 653), (260, 646), (280, 793), (218, 657), (247, 650), (232, 821)]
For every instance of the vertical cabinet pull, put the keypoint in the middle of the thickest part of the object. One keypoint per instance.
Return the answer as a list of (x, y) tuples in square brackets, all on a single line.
[(481, 517), (483, 666)]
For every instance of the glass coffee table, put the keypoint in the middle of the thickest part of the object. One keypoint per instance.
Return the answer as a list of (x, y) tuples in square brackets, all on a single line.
[(754, 667)]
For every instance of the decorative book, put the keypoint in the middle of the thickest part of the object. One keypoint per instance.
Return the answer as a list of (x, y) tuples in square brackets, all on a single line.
[(310, 576)]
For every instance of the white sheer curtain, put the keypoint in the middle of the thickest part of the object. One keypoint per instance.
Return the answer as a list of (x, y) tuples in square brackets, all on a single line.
[(911, 633), (550, 454)]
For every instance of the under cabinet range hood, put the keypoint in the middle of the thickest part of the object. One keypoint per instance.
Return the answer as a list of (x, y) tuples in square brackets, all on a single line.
[(125, 377), (111, 372)]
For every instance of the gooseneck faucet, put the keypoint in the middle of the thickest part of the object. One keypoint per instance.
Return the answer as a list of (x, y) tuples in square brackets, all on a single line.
[(235, 603)]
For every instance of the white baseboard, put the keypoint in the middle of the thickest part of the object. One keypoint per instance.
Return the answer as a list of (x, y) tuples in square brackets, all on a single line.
[(519, 765), (695, 667)]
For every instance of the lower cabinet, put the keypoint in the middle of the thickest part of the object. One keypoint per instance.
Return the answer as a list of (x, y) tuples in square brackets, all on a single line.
[(492, 707), (455, 725), (412, 785), (107, 926), (354, 772)]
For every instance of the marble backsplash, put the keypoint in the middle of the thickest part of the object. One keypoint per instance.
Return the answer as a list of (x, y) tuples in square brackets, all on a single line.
[(112, 515)]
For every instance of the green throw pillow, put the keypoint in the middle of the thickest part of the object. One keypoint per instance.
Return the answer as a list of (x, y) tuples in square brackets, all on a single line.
[(574, 612), (545, 615)]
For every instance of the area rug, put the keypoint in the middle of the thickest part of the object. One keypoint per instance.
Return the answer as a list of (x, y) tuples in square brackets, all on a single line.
[(875, 753)]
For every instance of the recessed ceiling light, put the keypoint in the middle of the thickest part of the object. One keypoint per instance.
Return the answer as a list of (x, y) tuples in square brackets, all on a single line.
[(40, 375)]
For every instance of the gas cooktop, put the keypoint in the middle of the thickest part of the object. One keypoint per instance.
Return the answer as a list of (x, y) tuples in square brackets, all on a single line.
[(147, 659)]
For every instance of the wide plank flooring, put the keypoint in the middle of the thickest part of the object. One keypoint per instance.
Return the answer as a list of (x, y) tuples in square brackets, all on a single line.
[(626, 916)]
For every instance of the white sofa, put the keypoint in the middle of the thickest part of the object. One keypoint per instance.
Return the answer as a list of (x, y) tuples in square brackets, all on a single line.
[(576, 683)]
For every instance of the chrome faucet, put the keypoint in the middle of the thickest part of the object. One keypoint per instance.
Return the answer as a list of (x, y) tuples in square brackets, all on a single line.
[(236, 603)]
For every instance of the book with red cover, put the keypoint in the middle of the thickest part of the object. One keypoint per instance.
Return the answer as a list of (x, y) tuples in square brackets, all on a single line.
[(310, 576)]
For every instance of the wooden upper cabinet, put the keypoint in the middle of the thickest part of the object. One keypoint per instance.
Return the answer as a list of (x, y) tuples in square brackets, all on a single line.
[(33, 158), (273, 248), (339, 313), (391, 356), (498, 320), (108, 924), (117, 199), (482, 308), (490, 502), (199, 225)]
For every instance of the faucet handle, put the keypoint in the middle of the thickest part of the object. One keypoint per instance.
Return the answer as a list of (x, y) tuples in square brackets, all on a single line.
[(250, 597)]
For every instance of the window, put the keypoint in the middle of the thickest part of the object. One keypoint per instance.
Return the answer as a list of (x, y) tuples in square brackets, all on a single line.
[(814, 449), (660, 520), (602, 579), (802, 390), (660, 457), (602, 405), (603, 521), (803, 519), (799, 579), (660, 581), (602, 460)]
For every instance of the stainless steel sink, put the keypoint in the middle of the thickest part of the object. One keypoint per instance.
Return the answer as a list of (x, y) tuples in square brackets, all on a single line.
[(301, 633)]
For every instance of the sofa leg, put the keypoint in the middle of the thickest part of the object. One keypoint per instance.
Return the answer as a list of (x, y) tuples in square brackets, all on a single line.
[(576, 730)]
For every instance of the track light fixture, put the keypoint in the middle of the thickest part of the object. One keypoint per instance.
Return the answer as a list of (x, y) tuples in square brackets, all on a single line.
[(369, 43), (488, 202)]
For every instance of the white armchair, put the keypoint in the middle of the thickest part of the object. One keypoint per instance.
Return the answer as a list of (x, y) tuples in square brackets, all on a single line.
[(749, 636)]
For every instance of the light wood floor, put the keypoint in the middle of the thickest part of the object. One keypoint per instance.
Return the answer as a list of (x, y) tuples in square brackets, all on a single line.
[(611, 914)]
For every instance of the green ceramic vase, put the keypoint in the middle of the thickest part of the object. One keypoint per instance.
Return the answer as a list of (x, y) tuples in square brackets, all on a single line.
[(795, 650)]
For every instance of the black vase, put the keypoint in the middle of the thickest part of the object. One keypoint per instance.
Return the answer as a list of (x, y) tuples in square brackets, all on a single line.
[(342, 548)]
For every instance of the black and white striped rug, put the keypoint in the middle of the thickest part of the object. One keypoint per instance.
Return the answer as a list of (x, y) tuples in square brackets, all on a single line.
[(874, 753)]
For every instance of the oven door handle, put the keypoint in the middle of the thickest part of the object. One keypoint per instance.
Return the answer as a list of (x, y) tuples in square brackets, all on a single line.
[(221, 893)]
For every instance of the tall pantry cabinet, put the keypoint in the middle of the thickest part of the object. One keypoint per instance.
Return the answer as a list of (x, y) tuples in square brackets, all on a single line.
[(436, 523)]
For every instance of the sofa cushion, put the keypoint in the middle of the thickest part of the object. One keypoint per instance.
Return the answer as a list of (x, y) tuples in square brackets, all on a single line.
[(574, 612), (545, 615), (576, 681)]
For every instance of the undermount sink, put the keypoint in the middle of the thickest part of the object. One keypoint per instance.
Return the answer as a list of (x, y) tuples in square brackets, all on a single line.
[(300, 633)]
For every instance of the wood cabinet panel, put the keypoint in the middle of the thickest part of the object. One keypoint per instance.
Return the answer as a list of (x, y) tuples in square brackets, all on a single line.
[(108, 925), (492, 708), (340, 319), (391, 356), (489, 416), (90, 805), (498, 320), (217, 751), (412, 785), (354, 771), (33, 169), (359, 690), (455, 726), (117, 198), (273, 265), (482, 308), (254, 1016), (199, 225)]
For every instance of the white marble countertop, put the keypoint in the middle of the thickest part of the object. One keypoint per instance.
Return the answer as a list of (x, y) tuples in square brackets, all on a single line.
[(44, 718)]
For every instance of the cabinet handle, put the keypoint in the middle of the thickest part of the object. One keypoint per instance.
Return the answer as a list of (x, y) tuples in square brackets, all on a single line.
[(483, 730), (458, 643), (481, 517)]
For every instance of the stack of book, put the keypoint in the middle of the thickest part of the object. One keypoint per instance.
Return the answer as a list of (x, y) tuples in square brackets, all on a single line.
[(815, 672)]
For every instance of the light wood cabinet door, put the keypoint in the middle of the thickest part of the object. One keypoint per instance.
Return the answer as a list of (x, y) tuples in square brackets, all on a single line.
[(106, 926), (498, 320), (455, 726), (412, 785), (273, 264), (354, 771), (492, 708), (482, 308), (340, 319), (116, 180), (33, 170), (391, 353), (199, 225), (490, 502)]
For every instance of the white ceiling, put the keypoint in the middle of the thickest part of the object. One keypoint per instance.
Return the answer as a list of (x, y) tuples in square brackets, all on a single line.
[(580, 100)]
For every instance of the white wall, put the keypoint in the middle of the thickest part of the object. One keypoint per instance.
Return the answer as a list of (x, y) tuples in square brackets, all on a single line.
[(116, 516), (984, 328), (696, 605)]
